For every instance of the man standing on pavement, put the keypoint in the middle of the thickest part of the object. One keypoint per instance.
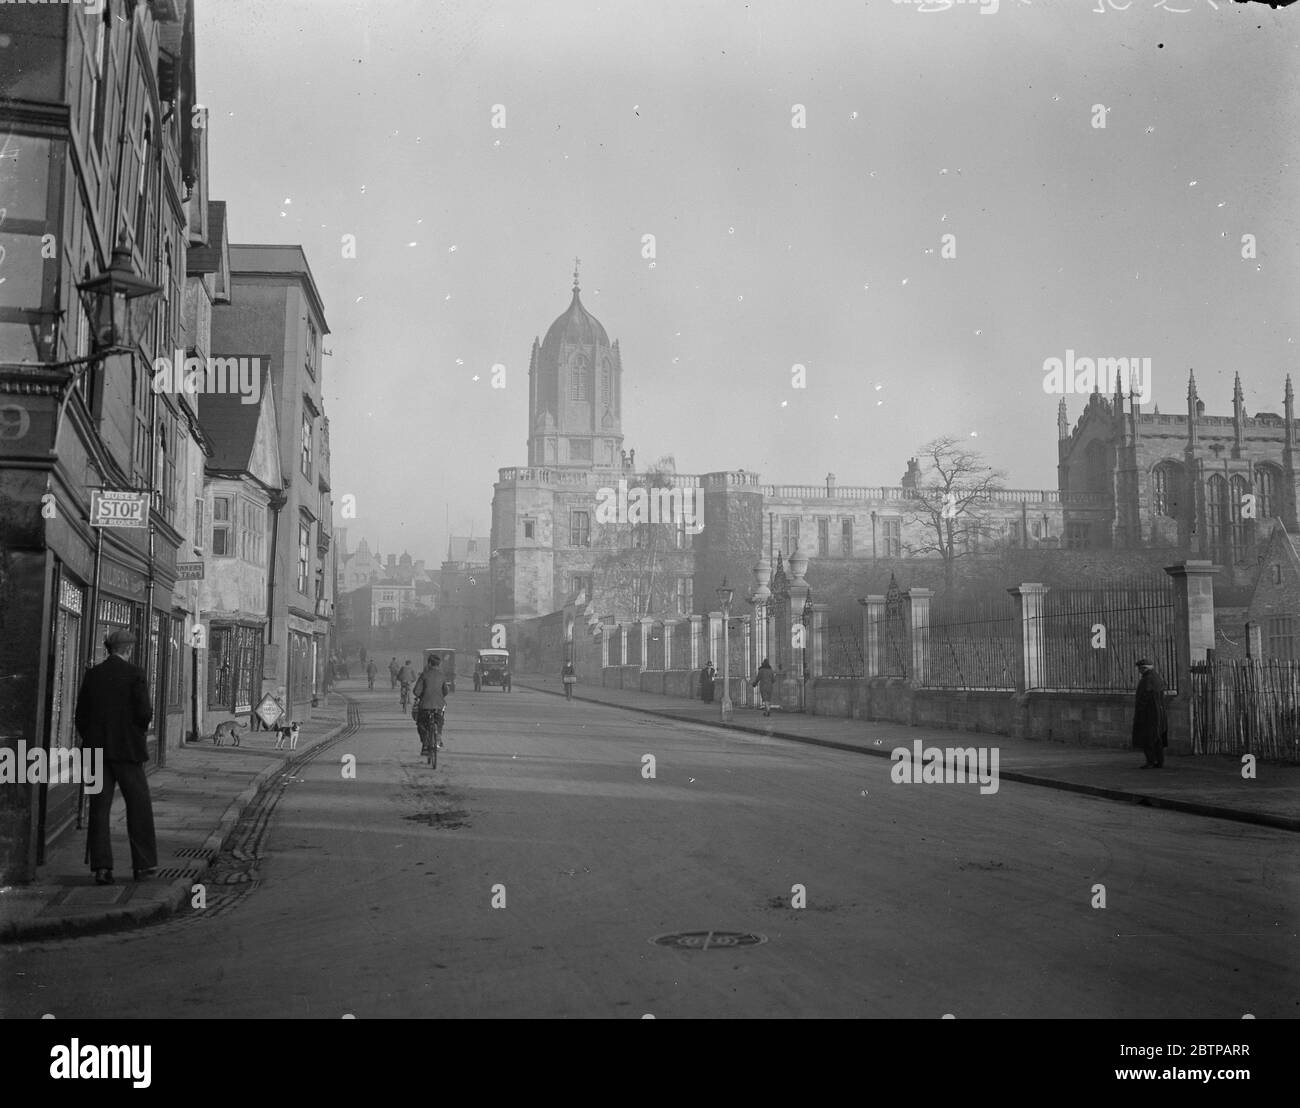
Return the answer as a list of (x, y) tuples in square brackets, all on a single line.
[(371, 670), (1150, 717), (113, 714), (764, 681), (393, 667)]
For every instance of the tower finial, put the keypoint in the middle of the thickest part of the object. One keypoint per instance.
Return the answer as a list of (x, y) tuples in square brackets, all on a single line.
[(576, 262)]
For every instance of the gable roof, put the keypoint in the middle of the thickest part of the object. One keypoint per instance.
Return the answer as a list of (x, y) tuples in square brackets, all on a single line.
[(231, 425)]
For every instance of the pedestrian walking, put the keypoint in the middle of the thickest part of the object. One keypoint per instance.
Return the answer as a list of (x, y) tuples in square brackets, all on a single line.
[(706, 682), (570, 678), (393, 667), (371, 671), (1150, 716), (765, 681), (113, 715)]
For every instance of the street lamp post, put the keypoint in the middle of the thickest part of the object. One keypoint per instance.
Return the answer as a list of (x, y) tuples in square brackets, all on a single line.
[(117, 303), (725, 593)]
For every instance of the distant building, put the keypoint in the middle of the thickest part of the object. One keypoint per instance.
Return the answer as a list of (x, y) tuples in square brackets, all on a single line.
[(275, 309), (464, 593), (1209, 485), (243, 478), (553, 540)]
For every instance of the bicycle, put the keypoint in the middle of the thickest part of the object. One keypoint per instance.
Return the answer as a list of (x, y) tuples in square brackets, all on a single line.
[(406, 697), (432, 741)]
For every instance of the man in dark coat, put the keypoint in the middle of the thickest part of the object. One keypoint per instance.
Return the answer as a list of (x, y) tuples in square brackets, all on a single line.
[(1150, 717), (706, 682), (113, 714), (765, 682)]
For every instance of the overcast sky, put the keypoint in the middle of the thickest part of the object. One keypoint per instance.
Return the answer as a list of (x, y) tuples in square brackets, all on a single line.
[(775, 245)]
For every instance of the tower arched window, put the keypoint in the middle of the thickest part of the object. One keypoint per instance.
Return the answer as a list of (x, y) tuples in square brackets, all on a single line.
[(578, 379), (1266, 486), (606, 384)]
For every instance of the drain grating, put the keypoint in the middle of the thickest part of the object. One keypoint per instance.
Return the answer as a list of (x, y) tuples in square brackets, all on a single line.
[(709, 940), (195, 852), (171, 873)]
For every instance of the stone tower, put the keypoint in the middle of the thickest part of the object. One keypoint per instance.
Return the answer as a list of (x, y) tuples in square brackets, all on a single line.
[(575, 393)]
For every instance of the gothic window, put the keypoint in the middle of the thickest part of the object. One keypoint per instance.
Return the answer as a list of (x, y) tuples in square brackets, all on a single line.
[(1166, 488), (1266, 485), (1098, 479), (1239, 525), (1216, 511)]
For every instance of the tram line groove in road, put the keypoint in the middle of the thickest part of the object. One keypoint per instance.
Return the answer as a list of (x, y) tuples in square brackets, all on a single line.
[(233, 874)]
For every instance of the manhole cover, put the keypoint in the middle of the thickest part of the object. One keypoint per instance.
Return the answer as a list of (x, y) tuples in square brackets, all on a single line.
[(708, 940)]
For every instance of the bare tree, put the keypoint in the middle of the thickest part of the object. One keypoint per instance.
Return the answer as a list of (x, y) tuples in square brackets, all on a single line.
[(952, 492), (623, 578)]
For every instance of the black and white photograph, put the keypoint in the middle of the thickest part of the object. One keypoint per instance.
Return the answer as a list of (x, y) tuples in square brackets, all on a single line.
[(652, 509)]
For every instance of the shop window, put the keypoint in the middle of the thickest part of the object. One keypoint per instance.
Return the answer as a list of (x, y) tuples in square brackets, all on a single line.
[(221, 667)]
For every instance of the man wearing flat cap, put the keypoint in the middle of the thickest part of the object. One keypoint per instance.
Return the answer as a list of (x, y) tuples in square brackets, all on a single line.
[(1150, 718), (113, 714)]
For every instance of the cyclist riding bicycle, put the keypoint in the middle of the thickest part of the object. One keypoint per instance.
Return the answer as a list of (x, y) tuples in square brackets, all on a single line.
[(405, 678), (430, 704)]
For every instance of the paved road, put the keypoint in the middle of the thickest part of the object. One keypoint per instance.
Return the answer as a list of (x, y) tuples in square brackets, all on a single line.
[(376, 893)]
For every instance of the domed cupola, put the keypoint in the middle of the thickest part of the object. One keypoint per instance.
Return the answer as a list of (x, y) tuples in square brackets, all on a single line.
[(575, 392)]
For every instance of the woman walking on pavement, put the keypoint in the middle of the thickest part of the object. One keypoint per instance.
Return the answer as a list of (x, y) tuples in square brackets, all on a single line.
[(570, 678)]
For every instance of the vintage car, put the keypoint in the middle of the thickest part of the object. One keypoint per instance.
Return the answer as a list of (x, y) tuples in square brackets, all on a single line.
[(447, 663), (492, 667)]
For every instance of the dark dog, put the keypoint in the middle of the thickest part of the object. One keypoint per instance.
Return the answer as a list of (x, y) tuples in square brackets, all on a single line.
[(229, 729)]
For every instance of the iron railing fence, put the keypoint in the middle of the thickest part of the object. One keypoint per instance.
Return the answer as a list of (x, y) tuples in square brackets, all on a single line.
[(973, 642), (655, 647), (1090, 638), (632, 647), (682, 645), (894, 639), (1249, 706), (844, 657)]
